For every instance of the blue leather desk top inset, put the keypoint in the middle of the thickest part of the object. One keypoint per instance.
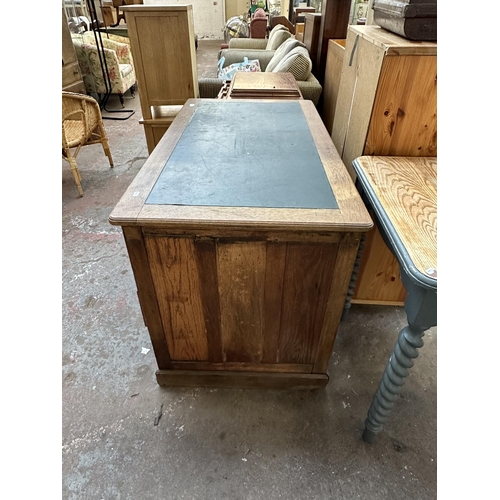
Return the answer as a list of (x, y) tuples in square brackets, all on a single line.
[(245, 154)]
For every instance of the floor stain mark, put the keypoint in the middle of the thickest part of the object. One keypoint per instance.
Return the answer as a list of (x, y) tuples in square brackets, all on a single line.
[(157, 419)]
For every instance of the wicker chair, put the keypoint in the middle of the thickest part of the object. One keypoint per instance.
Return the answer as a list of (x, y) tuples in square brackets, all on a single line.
[(81, 125)]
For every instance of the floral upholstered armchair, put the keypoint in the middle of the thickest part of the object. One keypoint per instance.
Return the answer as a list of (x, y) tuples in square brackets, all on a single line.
[(119, 62)]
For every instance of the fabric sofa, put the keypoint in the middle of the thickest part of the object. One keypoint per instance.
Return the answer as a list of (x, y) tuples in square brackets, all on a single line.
[(290, 56)]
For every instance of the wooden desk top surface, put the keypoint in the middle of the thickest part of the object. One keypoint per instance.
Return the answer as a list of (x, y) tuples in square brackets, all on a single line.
[(406, 189), (137, 208)]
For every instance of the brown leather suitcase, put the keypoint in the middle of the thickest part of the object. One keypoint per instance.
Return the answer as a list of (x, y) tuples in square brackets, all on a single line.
[(413, 19)]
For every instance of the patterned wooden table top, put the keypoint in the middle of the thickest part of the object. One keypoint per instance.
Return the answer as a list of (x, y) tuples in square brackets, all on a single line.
[(405, 190)]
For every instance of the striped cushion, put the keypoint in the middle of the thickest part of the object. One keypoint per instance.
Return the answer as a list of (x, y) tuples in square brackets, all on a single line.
[(282, 51), (277, 38), (297, 62)]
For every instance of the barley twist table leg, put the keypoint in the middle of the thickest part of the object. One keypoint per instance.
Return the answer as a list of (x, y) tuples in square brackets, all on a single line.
[(421, 312), (398, 368), (354, 277)]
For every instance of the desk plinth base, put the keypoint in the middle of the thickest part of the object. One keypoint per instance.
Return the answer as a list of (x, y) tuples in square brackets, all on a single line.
[(243, 380)]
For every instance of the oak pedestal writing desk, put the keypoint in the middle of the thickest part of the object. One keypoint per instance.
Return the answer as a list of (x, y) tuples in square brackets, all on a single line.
[(402, 192), (242, 228)]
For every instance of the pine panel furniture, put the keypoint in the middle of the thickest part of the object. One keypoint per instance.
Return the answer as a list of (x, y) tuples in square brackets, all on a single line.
[(162, 41), (333, 72), (386, 106)]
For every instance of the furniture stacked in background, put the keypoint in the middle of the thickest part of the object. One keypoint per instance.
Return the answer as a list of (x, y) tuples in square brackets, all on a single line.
[(333, 26), (274, 20), (262, 85), (331, 82), (71, 75), (114, 58), (258, 24), (413, 19), (298, 20), (81, 125), (163, 43), (297, 25), (118, 4), (312, 25), (299, 12), (281, 52), (386, 106)]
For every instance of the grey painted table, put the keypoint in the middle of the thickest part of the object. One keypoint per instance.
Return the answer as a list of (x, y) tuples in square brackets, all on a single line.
[(402, 194)]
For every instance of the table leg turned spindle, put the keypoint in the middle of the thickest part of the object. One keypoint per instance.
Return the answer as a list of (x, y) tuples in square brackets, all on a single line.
[(421, 312), (398, 368), (354, 278)]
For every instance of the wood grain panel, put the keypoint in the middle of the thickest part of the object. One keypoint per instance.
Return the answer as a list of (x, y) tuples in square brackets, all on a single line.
[(160, 35), (334, 24), (344, 262), (242, 367), (404, 118), (333, 72), (206, 260), (254, 380), (241, 270), (176, 280), (263, 85), (407, 190), (147, 294), (378, 278), (358, 87), (275, 269), (393, 44), (308, 276)]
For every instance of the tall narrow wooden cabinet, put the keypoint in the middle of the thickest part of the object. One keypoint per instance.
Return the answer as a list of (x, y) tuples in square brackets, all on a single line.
[(386, 106), (162, 41), (334, 23), (312, 26), (333, 72), (71, 75)]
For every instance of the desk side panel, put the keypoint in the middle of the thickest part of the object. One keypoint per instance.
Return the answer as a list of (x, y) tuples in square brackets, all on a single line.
[(177, 284), (307, 279), (146, 293)]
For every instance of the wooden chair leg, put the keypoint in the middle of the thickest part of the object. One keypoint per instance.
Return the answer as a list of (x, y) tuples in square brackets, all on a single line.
[(105, 144), (107, 151), (76, 175)]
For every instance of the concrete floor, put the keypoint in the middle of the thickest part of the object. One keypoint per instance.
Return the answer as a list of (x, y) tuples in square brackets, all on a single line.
[(215, 443)]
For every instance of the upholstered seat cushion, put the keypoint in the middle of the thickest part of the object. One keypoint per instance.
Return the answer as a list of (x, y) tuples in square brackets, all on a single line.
[(277, 36), (297, 62), (282, 51), (299, 67)]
